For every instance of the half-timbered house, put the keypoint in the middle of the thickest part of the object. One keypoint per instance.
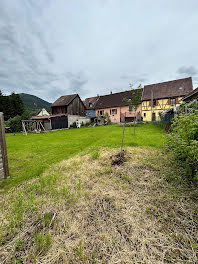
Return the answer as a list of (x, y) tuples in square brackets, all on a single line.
[(159, 97)]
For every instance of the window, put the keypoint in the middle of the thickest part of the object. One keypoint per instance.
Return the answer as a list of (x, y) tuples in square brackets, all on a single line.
[(144, 114), (90, 105), (130, 108), (101, 112), (113, 112), (154, 102), (172, 101)]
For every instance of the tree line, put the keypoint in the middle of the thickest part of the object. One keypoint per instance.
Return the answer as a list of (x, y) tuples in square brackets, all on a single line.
[(11, 105)]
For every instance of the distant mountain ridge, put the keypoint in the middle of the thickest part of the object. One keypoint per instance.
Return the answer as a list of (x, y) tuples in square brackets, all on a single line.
[(34, 103)]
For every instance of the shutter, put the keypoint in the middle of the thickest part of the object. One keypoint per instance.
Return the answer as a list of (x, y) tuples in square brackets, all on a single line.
[(149, 103), (156, 102), (169, 101), (176, 100)]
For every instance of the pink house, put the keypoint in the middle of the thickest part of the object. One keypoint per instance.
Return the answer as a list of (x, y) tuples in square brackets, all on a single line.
[(118, 110)]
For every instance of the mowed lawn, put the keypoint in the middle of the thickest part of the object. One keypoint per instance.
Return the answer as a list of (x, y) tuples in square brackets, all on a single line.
[(30, 155)]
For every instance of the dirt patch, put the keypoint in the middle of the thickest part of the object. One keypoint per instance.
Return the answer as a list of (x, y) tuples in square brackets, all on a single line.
[(118, 159)]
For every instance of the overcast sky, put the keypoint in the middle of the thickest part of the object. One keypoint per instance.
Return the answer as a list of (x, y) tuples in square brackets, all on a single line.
[(51, 48)]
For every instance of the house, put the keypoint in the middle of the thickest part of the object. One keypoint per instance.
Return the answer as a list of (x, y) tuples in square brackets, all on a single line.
[(192, 96), (118, 110), (160, 97), (90, 106)]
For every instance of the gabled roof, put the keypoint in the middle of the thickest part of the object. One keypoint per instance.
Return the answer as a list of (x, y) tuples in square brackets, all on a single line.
[(191, 95), (42, 112), (176, 88), (113, 100), (90, 101), (64, 100)]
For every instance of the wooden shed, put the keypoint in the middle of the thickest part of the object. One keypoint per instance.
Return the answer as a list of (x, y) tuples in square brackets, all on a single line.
[(70, 105)]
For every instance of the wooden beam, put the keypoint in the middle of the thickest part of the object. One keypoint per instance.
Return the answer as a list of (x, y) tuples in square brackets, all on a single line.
[(3, 147)]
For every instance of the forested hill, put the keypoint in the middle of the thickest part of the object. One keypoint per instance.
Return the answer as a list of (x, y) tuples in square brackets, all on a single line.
[(32, 102)]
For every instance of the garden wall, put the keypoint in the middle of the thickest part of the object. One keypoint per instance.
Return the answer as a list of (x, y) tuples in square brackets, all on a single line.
[(74, 118)]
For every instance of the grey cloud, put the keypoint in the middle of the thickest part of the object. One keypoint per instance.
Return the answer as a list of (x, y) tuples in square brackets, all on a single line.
[(76, 82), (140, 80), (50, 48), (188, 70)]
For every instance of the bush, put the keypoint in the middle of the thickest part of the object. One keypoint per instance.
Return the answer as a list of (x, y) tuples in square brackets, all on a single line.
[(15, 122), (73, 125), (183, 141), (107, 118)]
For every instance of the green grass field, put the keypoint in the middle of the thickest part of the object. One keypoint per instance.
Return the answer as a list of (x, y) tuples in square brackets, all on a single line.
[(30, 155)]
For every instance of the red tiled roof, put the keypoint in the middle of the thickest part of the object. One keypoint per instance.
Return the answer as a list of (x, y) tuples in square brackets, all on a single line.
[(176, 88), (64, 100)]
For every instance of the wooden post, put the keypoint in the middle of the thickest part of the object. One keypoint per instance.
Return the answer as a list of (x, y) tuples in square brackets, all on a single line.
[(134, 124), (3, 150), (123, 136)]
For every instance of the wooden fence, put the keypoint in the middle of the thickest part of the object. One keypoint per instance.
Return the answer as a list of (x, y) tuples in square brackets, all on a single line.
[(4, 171)]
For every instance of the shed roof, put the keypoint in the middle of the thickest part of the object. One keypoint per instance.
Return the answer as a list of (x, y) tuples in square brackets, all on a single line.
[(47, 116), (191, 94), (64, 100), (113, 100), (175, 88)]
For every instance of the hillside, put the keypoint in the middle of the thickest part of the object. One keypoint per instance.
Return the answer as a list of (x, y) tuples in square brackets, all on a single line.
[(33, 102)]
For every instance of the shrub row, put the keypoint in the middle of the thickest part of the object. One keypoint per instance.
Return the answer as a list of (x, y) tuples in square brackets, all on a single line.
[(183, 141)]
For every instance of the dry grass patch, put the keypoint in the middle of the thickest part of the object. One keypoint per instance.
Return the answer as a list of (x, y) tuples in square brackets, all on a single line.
[(83, 210)]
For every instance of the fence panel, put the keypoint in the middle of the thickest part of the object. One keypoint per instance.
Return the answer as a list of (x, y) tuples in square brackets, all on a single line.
[(4, 171)]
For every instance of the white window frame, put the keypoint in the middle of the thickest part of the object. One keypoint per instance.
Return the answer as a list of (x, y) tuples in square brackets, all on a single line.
[(114, 111), (172, 100), (130, 108)]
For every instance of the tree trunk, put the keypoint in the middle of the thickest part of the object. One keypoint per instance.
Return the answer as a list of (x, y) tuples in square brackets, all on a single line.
[(122, 140)]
